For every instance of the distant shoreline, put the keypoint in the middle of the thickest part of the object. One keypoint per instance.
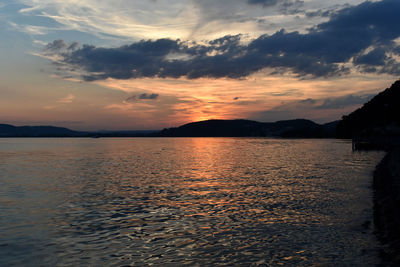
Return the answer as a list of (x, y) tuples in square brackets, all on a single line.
[(299, 128)]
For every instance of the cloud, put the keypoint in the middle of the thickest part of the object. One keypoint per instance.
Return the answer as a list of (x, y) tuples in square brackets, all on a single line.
[(288, 92), (331, 103), (119, 20), (318, 13), (308, 101), (376, 57), (264, 3), (284, 4), (143, 96), (60, 45), (148, 96), (342, 102), (61, 102), (131, 99), (323, 51), (319, 109), (68, 99), (56, 45)]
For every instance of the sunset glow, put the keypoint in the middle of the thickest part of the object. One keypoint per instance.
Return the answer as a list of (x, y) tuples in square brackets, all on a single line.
[(152, 64)]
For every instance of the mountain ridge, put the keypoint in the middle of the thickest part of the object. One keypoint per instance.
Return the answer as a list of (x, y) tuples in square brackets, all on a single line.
[(208, 128), (8, 130), (249, 128)]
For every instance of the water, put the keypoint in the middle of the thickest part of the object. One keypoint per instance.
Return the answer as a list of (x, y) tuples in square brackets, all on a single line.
[(185, 201)]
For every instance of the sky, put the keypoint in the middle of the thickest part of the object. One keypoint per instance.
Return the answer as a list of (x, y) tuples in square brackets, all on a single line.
[(152, 64)]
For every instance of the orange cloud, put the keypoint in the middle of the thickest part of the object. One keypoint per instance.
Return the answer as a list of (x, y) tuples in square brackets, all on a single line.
[(183, 100)]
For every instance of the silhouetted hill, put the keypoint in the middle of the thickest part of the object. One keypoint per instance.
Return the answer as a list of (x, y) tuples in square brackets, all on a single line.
[(329, 129), (216, 128), (210, 128), (7, 130), (379, 116), (241, 128)]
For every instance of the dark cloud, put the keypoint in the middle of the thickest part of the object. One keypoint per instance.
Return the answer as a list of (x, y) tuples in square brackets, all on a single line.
[(148, 96), (326, 12), (391, 67), (58, 45), (377, 61), (318, 13), (131, 99), (143, 96), (376, 57), (331, 103), (342, 102), (284, 4), (320, 52), (289, 92), (312, 108), (264, 3), (307, 101)]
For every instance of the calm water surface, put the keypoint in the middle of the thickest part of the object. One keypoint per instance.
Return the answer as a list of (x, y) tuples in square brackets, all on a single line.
[(185, 201)]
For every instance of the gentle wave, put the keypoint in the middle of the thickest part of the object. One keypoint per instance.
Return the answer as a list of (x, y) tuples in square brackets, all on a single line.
[(185, 201)]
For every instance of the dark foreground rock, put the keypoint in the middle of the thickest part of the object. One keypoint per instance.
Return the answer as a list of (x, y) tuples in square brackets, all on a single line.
[(387, 205)]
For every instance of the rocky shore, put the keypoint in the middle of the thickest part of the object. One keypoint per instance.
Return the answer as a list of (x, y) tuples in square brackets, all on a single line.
[(387, 205)]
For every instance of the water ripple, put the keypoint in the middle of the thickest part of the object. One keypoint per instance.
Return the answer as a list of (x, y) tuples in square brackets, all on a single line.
[(188, 201)]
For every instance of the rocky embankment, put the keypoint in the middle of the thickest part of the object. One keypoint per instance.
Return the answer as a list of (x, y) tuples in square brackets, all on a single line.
[(387, 205)]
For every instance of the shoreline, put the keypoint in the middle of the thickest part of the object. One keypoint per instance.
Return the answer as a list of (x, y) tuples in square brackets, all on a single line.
[(386, 202)]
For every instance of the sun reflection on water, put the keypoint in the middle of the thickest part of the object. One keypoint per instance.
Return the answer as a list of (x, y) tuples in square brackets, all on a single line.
[(186, 201)]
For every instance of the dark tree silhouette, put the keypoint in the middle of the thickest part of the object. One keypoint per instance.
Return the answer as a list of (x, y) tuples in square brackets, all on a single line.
[(376, 115)]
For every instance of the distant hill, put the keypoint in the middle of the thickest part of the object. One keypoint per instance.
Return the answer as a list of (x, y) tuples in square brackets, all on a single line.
[(210, 128), (7, 130), (379, 116), (241, 128)]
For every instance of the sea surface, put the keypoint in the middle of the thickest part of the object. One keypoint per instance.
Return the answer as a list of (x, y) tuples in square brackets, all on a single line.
[(185, 201)]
